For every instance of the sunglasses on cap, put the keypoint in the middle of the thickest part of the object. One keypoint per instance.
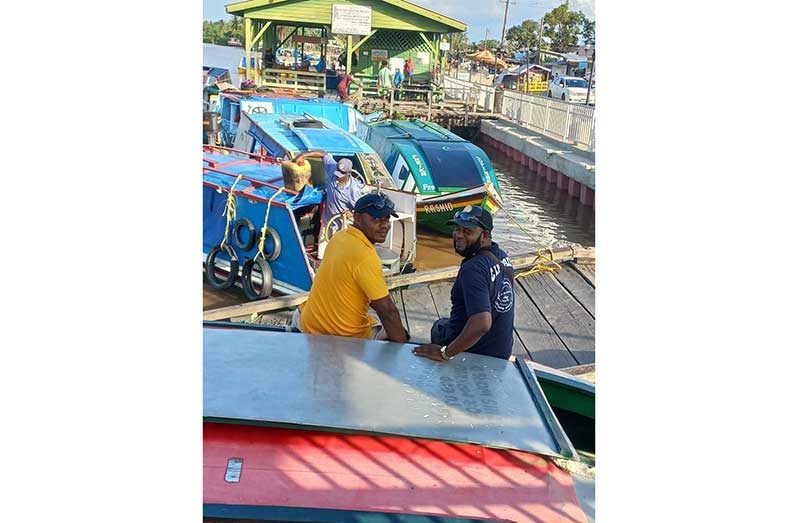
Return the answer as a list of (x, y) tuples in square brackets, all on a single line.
[(381, 204)]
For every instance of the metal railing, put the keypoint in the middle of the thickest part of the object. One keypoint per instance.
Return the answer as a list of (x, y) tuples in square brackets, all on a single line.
[(481, 96), (568, 122)]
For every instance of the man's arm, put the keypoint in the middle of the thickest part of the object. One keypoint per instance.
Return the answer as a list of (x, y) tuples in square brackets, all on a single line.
[(300, 158), (476, 327), (389, 316)]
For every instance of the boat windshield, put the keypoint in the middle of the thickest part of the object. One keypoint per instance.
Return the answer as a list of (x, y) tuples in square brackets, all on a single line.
[(452, 165)]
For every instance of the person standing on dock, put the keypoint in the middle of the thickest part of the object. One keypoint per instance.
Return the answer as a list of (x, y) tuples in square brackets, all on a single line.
[(343, 88), (350, 279), (398, 78), (409, 70), (384, 79), (483, 297)]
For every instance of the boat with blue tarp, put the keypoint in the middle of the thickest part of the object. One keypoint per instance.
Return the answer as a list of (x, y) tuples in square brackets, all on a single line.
[(264, 237), (232, 104), (288, 135), (446, 172)]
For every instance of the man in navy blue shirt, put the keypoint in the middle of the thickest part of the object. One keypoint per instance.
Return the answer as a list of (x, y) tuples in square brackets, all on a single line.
[(483, 297)]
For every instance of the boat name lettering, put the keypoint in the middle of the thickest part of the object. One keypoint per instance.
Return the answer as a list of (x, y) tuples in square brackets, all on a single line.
[(420, 166), (438, 207), (484, 169)]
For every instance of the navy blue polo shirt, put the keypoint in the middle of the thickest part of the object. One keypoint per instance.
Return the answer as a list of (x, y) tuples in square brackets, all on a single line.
[(481, 286)]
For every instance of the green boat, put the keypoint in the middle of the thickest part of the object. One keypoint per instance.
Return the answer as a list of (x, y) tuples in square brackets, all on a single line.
[(573, 401), (446, 172)]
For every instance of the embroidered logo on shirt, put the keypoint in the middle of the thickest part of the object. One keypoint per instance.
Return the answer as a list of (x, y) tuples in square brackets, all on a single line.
[(504, 300)]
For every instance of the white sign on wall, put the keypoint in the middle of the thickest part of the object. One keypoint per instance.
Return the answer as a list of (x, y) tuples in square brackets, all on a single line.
[(444, 45), (351, 19)]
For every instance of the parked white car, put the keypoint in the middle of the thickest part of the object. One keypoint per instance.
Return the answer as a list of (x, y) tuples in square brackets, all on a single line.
[(571, 89)]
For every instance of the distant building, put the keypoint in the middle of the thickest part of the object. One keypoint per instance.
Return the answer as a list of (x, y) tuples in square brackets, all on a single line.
[(583, 50)]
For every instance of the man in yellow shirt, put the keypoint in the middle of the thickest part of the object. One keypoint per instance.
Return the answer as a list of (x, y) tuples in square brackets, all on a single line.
[(350, 279)]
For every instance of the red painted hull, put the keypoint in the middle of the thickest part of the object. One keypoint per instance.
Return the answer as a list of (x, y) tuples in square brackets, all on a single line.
[(312, 469)]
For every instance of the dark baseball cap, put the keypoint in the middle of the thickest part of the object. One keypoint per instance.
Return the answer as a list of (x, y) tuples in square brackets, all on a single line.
[(375, 204), (472, 216)]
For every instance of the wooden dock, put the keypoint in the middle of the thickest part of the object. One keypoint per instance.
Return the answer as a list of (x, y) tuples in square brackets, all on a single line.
[(554, 314), (554, 311)]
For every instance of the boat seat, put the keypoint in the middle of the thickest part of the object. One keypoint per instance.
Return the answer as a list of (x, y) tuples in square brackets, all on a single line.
[(388, 259)]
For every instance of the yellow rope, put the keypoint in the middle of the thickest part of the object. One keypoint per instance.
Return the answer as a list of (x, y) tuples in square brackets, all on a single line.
[(230, 208), (265, 227), (541, 264)]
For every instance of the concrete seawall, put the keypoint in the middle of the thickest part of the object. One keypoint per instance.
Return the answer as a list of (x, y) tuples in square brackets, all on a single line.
[(570, 168)]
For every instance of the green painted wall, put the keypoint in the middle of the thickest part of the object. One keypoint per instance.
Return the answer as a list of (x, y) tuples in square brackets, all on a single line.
[(399, 44)]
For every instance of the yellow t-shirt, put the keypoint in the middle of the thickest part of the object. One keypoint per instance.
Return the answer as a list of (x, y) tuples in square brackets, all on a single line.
[(349, 277)]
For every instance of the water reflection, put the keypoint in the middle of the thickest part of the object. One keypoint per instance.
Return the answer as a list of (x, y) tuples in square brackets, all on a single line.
[(547, 217)]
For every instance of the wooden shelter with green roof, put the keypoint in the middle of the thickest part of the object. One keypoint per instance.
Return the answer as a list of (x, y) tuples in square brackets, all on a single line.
[(374, 29)]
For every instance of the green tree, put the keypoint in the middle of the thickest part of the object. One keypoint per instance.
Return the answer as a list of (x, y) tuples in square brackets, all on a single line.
[(489, 44), (563, 27), (458, 42), (589, 32), (522, 36)]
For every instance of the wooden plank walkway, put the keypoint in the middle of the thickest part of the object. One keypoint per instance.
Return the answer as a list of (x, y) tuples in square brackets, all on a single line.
[(554, 314)]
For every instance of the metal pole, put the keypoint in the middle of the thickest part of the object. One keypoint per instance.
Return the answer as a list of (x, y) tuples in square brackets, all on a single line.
[(540, 39), (590, 77), (501, 41)]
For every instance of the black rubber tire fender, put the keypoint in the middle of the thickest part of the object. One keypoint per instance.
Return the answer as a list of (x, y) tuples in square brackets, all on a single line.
[(245, 223), (266, 275), (278, 244), (210, 264)]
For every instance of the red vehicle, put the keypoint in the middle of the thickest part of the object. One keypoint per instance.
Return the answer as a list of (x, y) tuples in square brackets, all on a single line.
[(305, 441)]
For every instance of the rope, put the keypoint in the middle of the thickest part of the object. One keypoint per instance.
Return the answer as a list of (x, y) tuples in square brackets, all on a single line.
[(541, 263), (230, 209), (265, 227)]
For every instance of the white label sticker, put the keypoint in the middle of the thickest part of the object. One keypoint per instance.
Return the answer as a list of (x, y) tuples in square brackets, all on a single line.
[(233, 472)]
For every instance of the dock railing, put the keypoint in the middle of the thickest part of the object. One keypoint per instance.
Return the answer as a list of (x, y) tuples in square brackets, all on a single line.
[(478, 96), (302, 82), (567, 122)]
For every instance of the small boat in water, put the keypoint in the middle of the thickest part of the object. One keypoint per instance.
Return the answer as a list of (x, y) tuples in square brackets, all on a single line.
[(446, 172), (288, 135), (363, 430), (232, 104), (261, 236)]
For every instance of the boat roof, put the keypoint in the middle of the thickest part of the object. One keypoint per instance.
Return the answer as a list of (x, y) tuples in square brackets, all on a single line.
[(298, 133), (450, 160), (260, 177), (279, 474), (418, 130), (364, 386)]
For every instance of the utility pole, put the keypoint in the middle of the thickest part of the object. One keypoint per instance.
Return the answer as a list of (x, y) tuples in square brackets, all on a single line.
[(501, 42), (590, 76), (540, 40)]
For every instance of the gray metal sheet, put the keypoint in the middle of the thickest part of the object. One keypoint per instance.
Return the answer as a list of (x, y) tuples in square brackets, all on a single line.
[(372, 386)]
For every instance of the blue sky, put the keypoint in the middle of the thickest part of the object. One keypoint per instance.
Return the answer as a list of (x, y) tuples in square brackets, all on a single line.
[(479, 15)]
